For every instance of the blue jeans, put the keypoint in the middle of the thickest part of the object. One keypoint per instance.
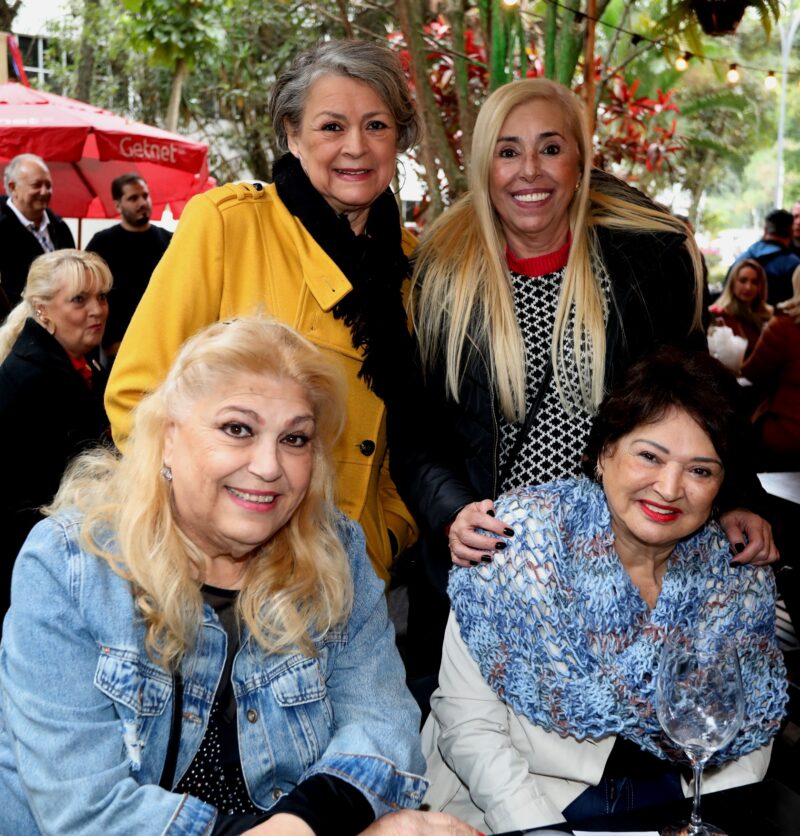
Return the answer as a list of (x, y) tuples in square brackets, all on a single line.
[(617, 795)]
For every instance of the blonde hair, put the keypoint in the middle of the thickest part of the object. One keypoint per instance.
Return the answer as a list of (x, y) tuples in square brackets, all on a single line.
[(75, 270), (462, 296), (757, 312), (296, 586)]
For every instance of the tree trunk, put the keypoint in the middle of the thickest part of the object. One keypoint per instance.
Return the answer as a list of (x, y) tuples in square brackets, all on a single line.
[(346, 26), (466, 106), (436, 150), (698, 187), (174, 107), (8, 11), (83, 87)]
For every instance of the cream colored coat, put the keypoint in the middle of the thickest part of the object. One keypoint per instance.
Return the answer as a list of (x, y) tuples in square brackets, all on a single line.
[(497, 771), (239, 251)]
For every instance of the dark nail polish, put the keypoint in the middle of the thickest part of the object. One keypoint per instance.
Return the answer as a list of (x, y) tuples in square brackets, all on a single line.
[(509, 532), (487, 558), (474, 562), (500, 545), (739, 547), (490, 512)]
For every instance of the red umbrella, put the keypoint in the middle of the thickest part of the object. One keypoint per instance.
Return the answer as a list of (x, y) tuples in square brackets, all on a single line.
[(86, 147)]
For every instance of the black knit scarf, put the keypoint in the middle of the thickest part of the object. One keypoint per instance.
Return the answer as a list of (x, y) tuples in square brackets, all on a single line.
[(375, 265)]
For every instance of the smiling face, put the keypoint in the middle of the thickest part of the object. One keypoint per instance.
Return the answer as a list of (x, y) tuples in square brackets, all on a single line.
[(747, 284), (79, 317), (660, 481), (534, 172), (31, 190), (241, 464), (347, 145)]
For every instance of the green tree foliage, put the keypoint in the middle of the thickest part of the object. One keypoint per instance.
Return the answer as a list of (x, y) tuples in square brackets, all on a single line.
[(126, 54), (176, 33)]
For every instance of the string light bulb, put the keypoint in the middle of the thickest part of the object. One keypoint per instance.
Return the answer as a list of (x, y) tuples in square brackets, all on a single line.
[(733, 74), (682, 61), (770, 82)]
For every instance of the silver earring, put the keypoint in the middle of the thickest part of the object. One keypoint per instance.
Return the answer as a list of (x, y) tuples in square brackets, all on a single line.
[(166, 473), (400, 174)]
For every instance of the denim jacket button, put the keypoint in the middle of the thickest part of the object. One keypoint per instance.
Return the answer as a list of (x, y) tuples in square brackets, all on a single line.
[(277, 792), (252, 715)]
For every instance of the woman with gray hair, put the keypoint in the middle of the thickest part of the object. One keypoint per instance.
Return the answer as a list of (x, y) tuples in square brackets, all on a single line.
[(321, 249), (51, 388)]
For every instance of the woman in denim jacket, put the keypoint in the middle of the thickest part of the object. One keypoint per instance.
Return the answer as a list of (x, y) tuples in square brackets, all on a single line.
[(197, 643)]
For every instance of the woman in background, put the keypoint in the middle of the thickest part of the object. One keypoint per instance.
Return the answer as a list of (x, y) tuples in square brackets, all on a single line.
[(742, 305), (774, 369), (51, 388)]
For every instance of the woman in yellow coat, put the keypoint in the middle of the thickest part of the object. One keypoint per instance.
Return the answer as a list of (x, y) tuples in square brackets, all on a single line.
[(321, 249)]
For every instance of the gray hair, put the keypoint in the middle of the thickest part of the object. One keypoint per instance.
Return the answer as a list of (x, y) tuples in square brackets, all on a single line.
[(368, 61), (12, 169)]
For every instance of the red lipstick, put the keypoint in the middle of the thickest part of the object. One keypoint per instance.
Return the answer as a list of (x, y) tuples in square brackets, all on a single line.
[(665, 514)]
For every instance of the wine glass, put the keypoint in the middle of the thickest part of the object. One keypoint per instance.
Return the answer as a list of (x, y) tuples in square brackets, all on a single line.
[(700, 705)]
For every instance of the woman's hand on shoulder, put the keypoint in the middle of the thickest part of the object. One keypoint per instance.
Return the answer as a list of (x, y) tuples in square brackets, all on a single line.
[(467, 546), (750, 536), (419, 823)]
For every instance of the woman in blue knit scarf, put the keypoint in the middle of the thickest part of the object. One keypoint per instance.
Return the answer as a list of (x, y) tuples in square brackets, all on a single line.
[(545, 708)]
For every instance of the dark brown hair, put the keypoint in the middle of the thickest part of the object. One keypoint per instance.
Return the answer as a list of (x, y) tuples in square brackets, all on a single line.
[(118, 183), (690, 381)]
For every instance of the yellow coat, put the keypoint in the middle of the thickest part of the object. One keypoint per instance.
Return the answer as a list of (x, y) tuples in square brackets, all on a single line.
[(239, 251)]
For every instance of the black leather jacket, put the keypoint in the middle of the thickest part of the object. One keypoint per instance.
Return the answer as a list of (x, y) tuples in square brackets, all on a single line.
[(444, 454)]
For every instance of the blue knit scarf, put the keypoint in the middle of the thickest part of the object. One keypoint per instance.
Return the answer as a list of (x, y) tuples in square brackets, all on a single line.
[(562, 635)]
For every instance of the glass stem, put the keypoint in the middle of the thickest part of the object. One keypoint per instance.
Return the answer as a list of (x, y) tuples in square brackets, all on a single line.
[(696, 823)]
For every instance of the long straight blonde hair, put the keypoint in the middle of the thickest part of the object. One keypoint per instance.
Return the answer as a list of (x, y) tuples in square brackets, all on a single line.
[(462, 299), (296, 586)]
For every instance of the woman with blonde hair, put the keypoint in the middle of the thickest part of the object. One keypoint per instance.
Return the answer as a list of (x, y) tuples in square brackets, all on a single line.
[(214, 653), (51, 388), (742, 306), (531, 296)]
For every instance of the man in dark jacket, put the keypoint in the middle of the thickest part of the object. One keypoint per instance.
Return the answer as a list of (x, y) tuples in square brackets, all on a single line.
[(132, 249), (773, 253), (27, 227)]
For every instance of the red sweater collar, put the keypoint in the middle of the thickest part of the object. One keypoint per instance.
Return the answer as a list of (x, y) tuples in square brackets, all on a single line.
[(540, 265)]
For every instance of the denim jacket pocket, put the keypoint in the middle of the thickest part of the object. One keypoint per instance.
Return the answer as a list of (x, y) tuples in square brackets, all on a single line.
[(299, 690), (140, 691)]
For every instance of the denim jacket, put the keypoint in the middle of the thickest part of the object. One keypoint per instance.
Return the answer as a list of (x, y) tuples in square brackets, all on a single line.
[(86, 714)]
